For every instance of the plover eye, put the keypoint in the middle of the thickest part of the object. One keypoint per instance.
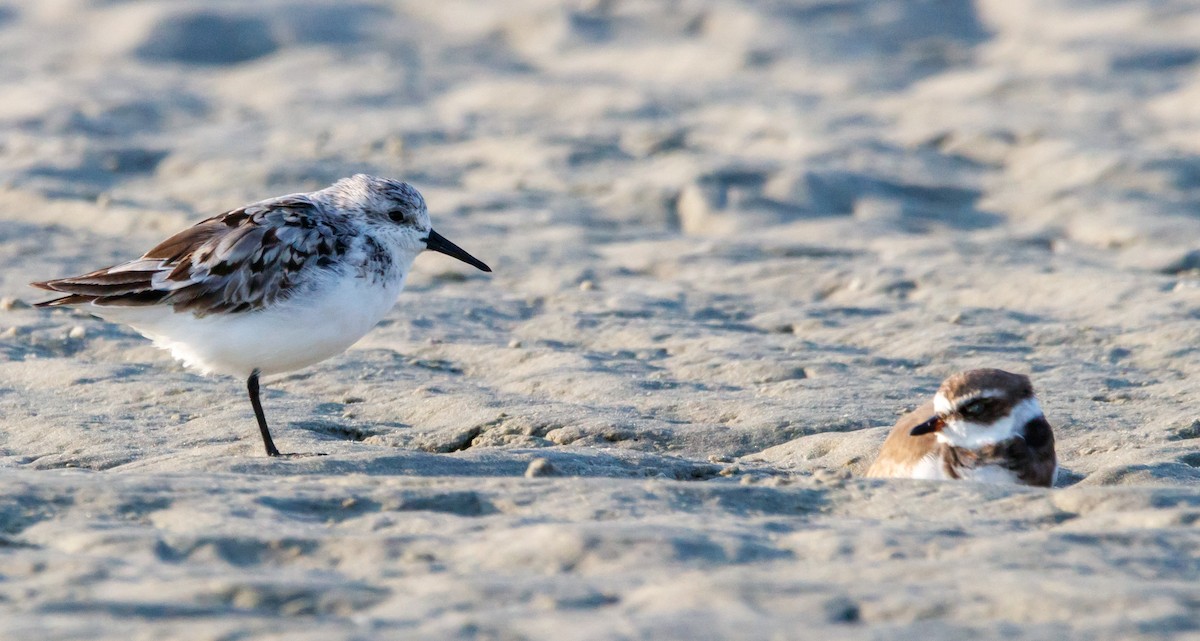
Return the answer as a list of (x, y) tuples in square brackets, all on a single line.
[(973, 409), (397, 215)]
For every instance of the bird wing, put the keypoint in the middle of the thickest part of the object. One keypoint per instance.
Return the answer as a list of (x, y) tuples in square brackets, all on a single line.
[(1031, 456), (239, 261)]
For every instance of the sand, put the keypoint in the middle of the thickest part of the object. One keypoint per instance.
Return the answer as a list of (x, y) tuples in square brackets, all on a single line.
[(732, 242)]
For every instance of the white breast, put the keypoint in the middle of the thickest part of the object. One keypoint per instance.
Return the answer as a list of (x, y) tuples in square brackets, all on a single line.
[(290, 335), (990, 474), (930, 468)]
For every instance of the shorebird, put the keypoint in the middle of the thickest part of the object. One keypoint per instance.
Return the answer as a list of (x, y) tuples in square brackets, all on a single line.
[(982, 425), (271, 287)]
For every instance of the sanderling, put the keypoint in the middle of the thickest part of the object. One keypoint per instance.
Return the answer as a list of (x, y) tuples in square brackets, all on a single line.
[(982, 425), (273, 286)]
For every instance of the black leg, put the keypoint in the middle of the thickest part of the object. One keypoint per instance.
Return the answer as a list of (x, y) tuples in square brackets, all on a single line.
[(252, 387)]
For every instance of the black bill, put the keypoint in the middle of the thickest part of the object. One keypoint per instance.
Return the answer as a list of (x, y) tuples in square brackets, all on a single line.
[(439, 244), (934, 424)]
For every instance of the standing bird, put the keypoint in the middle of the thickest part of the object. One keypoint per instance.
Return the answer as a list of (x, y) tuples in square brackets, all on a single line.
[(982, 425), (273, 286)]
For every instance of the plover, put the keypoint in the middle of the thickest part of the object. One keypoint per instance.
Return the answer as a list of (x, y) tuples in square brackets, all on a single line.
[(982, 425), (273, 286)]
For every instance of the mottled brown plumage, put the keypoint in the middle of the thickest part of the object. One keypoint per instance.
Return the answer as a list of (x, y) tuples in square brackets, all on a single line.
[(239, 261)]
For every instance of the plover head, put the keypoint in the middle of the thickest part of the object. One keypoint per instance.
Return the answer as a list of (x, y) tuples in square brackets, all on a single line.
[(982, 407), (395, 212)]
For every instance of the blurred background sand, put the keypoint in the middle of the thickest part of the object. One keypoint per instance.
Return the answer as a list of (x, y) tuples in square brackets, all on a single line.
[(732, 242)]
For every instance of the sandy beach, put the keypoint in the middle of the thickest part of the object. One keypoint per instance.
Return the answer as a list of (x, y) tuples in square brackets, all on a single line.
[(732, 243)]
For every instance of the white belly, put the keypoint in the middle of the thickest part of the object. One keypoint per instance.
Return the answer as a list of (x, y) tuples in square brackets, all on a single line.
[(288, 336), (990, 474), (931, 467)]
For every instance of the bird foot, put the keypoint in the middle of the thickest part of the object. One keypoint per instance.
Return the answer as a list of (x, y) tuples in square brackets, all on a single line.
[(291, 455)]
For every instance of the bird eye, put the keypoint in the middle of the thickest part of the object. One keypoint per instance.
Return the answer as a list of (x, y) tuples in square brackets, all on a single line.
[(973, 409), (397, 215)]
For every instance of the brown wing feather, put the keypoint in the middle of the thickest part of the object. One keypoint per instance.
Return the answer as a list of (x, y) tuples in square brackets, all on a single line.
[(238, 261), (1031, 457), (101, 287)]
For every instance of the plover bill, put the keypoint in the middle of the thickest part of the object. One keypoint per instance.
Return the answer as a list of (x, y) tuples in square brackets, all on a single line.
[(982, 425), (271, 287)]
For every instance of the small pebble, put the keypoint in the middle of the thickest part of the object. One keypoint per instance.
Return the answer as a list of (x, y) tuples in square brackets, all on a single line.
[(77, 332), (539, 467), (8, 302), (587, 286), (514, 344)]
